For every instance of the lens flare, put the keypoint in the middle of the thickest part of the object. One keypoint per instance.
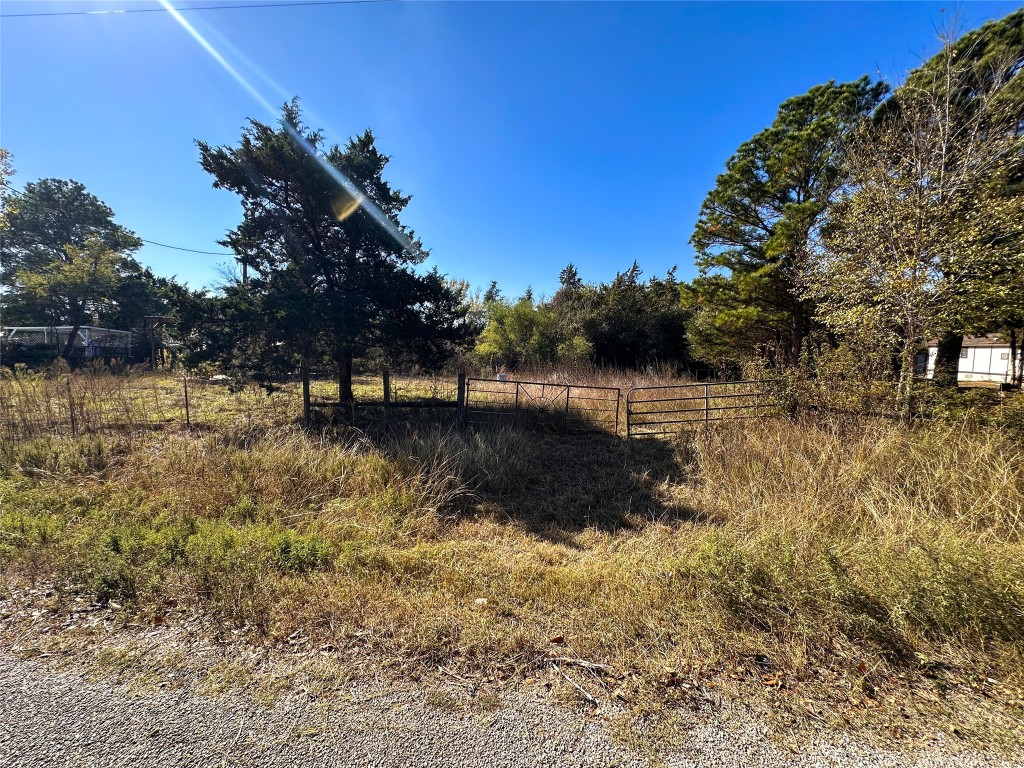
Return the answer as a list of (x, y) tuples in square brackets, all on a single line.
[(344, 205), (349, 190)]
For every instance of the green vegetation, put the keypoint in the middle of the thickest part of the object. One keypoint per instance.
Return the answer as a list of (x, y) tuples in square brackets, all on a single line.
[(757, 225), (626, 323), (67, 262)]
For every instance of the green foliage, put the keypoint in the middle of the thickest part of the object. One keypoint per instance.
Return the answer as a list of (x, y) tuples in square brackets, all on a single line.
[(926, 238), (626, 323), (329, 279), (66, 262), (756, 226), (519, 333)]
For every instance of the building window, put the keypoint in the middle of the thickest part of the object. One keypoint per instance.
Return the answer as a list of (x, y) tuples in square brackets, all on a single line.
[(963, 353), (1004, 355)]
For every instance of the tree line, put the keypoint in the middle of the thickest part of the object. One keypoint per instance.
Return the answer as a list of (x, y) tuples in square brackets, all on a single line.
[(865, 221)]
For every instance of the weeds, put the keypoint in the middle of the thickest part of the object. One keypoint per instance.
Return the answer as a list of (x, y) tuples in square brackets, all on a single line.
[(849, 562)]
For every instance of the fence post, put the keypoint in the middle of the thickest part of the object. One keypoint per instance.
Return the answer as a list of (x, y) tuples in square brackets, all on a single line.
[(71, 409), (188, 415), (707, 405), (305, 396), (387, 390), (618, 401), (460, 399)]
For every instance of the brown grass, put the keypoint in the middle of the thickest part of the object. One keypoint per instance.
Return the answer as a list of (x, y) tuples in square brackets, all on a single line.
[(835, 566)]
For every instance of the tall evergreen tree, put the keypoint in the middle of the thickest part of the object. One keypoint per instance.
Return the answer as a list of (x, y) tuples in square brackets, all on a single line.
[(757, 224), (306, 234)]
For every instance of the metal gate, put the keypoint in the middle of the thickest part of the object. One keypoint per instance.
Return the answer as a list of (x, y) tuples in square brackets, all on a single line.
[(574, 405), (667, 409)]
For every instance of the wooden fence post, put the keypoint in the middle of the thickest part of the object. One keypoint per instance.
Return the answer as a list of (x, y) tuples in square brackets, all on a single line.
[(387, 388), (71, 409)]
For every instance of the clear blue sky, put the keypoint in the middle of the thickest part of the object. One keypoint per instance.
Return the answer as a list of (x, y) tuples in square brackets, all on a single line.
[(529, 134)]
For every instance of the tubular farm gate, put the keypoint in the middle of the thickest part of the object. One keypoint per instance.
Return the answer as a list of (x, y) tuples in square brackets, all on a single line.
[(667, 409)]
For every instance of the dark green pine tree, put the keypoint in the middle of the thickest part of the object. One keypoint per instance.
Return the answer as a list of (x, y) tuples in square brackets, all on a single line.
[(306, 233), (757, 223)]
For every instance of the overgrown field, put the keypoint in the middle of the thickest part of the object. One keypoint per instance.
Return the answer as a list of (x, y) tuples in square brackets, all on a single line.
[(831, 569)]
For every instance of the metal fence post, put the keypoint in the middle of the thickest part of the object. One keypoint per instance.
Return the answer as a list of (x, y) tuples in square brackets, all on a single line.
[(188, 415), (461, 397)]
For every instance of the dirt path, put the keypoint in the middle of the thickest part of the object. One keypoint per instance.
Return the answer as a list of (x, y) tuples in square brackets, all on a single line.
[(51, 717)]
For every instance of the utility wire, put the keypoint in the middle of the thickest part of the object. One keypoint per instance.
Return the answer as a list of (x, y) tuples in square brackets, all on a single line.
[(190, 250), (193, 8)]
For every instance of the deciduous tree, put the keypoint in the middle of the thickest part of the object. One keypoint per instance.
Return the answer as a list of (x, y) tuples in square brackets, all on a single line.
[(67, 262), (925, 229)]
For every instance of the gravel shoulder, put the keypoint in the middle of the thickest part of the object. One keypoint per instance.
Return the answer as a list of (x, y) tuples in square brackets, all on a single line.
[(74, 716)]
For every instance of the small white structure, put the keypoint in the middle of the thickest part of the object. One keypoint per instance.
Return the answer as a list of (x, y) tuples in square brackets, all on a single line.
[(93, 341), (982, 359)]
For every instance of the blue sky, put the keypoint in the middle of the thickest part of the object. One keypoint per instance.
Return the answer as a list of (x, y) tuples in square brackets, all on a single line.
[(530, 134)]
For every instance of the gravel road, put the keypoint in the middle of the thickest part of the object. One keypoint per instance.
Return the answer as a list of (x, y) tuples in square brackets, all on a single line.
[(53, 717)]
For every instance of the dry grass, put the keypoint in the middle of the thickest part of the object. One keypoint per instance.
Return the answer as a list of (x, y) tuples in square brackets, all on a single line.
[(858, 568)]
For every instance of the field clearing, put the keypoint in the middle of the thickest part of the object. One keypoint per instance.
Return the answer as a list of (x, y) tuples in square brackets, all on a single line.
[(836, 571)]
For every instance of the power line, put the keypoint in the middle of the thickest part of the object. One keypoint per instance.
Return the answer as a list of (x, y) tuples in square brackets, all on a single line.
[(193, 8), (190, 250)]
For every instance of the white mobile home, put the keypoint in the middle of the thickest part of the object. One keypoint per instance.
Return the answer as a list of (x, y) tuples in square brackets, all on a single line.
[(982, 359)]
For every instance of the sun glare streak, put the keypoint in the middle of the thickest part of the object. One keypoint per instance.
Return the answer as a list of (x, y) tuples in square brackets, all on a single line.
[(216, 55), (344, 205), (356, 198)]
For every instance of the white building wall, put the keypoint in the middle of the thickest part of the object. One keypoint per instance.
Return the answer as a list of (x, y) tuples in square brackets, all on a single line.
[(977, 363)]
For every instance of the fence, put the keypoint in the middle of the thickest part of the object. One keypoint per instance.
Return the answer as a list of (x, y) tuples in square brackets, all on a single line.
[(575, 405), (667, 409), (33, 405)]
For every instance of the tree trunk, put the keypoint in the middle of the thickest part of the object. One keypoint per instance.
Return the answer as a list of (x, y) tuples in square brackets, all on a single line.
[(947, 360), (905, 389), (69, 346), (797, 335), (344, 361)]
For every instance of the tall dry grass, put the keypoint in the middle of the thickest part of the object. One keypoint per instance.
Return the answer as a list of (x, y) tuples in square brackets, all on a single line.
[(853, 562)]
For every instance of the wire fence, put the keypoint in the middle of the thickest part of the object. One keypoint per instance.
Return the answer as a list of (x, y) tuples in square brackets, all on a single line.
[(33, 405), (569, 405), (88, 401)]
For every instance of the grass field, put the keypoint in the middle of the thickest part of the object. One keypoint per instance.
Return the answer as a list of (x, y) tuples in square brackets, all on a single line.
[(837, 570)]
